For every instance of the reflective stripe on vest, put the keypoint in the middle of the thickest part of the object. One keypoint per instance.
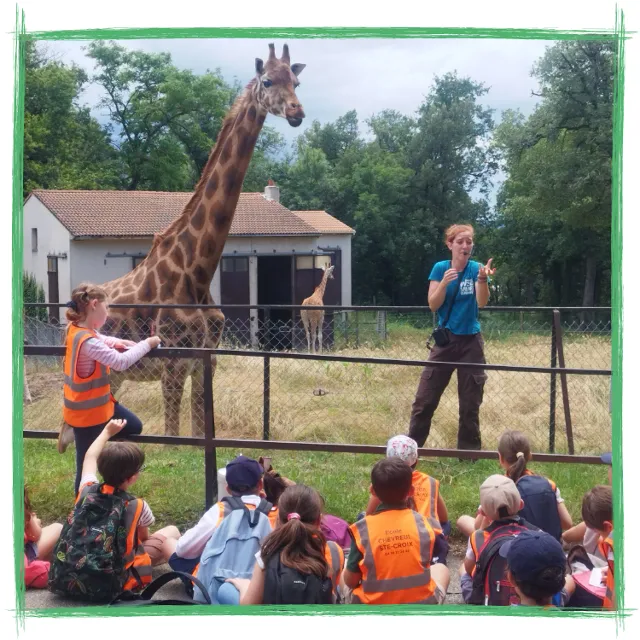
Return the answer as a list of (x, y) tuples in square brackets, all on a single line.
[(605, 547), (334, 557), (408, 534), (425, 496), (87, 401)]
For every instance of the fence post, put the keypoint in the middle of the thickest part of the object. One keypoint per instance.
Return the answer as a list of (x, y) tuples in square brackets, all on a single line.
[(552, 391), (210, 464), (266, 394), (563, 381)]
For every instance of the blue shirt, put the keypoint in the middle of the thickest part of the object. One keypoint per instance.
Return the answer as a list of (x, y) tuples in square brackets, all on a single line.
[(463, 319)]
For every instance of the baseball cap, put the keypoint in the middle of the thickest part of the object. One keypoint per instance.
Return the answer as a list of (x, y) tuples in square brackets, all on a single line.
[(499, 491), (403, 447), (531, 552), (606, 458), (243, 472)]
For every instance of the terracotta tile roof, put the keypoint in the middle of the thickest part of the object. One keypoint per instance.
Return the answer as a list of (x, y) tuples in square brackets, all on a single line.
[(143, 213), (324, 222)]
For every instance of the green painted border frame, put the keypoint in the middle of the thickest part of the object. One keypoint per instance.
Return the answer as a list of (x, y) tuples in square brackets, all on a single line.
[(617, 34)]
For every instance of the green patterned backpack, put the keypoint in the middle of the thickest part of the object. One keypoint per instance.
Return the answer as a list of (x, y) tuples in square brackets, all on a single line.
[(90, 556)]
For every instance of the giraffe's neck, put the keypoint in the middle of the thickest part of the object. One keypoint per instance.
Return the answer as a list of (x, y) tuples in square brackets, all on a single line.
[(194, 242), (321, 287)]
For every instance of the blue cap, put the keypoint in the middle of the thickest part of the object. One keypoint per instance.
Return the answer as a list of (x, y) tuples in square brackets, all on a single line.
[(244, 472), (606, 458), (530, 552)]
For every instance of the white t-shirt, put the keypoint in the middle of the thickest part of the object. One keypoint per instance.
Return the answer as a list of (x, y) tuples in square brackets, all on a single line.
[(146, 517), (192, 543)]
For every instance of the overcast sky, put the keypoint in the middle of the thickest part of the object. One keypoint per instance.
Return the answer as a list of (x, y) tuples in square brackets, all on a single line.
[(368, 75)]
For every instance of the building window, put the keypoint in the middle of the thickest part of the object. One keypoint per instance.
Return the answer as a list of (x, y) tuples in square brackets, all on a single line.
[(52, 264), (34, 240), (136, 260), (312, 262), (239, 265)]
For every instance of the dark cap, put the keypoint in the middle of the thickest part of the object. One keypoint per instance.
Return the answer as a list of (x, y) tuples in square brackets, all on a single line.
[(531, 552), (606, 458), (244, 472)]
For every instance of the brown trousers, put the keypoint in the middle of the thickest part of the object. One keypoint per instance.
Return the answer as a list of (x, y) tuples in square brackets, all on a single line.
[(434, 381)]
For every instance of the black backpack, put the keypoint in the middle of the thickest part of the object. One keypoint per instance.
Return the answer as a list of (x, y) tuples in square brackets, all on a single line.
[(283, 585), (490, 584), (540, 504)]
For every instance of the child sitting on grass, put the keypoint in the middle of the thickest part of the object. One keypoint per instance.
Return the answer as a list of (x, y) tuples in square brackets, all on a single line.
[(390, 557), (536, 567), (39, 542), (597, 513), (426, 498)]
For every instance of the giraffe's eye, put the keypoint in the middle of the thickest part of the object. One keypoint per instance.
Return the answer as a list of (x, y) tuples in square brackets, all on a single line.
[(267, 83)]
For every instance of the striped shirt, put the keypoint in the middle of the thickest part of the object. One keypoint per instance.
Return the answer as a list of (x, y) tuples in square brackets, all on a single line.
[(103, 351)]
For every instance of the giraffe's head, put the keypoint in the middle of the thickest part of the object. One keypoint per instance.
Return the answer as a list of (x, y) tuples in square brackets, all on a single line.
[(329, 271), (276, 82)]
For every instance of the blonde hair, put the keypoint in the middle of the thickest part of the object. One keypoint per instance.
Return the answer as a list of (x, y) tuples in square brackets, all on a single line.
[(455, 229), (81, 296)]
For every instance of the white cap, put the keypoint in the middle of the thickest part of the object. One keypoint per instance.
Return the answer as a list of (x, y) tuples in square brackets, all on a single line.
[(403, 447)]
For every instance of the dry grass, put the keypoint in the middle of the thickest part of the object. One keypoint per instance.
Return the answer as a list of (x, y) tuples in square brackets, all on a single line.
[(367, 403)]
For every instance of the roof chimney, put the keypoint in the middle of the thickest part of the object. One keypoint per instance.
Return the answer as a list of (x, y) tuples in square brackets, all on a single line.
[(271, 192)]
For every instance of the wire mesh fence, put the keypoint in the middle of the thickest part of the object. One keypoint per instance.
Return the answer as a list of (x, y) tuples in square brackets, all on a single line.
[(349, 402)]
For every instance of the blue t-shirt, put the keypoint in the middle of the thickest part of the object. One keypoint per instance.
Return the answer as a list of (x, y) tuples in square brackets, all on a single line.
[(463, 319)]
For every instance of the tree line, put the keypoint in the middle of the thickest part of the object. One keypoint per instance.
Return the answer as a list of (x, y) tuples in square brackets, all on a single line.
[(398, 180)]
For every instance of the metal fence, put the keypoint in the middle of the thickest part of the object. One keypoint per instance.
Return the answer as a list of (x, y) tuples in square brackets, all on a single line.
[(360, 392)]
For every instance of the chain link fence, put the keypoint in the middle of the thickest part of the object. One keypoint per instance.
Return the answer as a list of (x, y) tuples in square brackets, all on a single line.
[(348, 402)]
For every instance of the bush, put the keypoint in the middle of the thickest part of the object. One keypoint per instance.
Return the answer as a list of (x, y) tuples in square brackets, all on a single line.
[(33, 292)]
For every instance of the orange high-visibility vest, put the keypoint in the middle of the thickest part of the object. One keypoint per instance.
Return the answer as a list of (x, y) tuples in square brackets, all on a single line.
[(477, 540), (606, 546), (87, 401), (425, 495), (137, 562), (334, 556), (397, 546), (273, 517)]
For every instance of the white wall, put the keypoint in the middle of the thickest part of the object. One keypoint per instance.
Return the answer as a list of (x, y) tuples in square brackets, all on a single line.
[(53, 238), (89, 262)]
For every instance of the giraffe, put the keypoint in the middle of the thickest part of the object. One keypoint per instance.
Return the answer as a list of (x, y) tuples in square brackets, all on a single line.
[(184, 257), (313, 319)]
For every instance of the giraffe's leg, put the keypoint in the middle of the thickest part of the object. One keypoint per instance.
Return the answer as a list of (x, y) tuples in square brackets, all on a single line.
[(197, 399), (174, 375), (320, 337), (314, 330), (305, 324)]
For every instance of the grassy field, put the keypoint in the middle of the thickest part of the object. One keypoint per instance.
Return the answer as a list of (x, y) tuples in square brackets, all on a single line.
[(367, 403), (173, 481)]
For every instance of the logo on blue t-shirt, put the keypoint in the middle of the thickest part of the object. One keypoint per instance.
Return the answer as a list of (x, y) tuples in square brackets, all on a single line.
[(463, 318)]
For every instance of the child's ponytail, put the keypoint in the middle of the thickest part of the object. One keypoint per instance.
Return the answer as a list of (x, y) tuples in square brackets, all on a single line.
[(515, 450), (297, 537), (81, 296)]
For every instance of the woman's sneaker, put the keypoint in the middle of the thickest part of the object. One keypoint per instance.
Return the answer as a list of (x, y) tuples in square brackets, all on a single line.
[(65, 437)]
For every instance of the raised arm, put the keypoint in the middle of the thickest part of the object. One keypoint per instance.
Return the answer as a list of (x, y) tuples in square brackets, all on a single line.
[(109, 357), (482, 284), (90, 464)]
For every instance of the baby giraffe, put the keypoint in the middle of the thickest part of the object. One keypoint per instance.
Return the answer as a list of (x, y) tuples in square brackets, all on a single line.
[(312, 319)]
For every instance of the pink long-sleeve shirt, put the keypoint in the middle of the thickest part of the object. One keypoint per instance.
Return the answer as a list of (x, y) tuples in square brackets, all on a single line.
[(102, 350)]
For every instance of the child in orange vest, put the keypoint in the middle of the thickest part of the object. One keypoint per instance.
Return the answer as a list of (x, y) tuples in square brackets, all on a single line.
[(120, 465), (597, 513), (297, 543), (88, 402), (39, 543), (426, 498), (514, 451), (390, 557)]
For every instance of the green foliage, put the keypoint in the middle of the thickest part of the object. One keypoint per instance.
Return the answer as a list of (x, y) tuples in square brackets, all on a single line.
[(33, 292)]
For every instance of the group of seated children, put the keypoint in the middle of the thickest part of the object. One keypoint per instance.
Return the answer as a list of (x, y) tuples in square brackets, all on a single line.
[(269, 542)]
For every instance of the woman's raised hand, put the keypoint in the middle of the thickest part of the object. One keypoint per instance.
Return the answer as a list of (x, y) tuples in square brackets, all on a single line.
[(486, 270), (449, 276)]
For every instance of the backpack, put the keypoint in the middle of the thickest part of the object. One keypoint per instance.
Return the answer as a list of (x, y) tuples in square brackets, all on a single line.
[(490, 584), (231, 550), (540, 504), (284, 585), (129, 598), (90, 557), (335, 529)]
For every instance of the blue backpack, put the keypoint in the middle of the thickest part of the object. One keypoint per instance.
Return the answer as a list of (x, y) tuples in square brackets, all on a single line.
[(231, 550), (540, 504)]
